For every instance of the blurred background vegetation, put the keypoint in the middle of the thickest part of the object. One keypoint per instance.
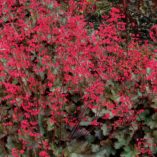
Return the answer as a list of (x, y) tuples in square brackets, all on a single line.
[(141, 14)]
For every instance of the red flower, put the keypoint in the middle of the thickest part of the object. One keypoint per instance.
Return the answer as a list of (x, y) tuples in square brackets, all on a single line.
[(43, 154)]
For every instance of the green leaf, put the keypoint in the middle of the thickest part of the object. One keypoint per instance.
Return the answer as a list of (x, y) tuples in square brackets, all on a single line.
[(121, 140), (95, 148), (10, 143), (73, 155), (15, 81), (84, 123), (148, 70), (143, 115), (139, 93), (50, 6), (151, 124), (50, 125), (90, 138), (104, 129), (40, 122), (128, 152), (105, 152)]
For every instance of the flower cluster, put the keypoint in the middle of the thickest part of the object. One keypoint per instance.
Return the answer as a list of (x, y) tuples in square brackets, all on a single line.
[(55, 73)]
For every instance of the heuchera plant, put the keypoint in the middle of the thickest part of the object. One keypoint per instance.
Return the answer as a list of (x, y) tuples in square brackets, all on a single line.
[(58, 73)]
